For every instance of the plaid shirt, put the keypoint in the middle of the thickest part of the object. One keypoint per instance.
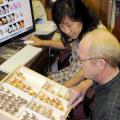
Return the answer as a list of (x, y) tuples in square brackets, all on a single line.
[(107, 101), (117, 2)]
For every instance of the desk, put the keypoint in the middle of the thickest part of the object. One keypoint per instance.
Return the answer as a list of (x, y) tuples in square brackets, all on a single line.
[(35, 58), (39, 63)]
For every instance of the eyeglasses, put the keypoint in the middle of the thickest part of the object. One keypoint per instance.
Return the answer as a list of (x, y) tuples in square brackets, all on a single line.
[(85, 60)]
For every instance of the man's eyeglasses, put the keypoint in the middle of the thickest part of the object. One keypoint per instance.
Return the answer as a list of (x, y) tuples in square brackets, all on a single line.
[(85, 60)]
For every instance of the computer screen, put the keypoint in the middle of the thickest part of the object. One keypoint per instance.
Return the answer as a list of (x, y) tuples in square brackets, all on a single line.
[(16, 19)]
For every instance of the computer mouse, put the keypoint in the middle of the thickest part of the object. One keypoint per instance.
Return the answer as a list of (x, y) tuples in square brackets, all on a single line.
[(28, 42)]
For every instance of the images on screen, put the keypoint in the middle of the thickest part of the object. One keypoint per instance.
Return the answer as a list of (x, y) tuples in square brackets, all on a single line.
[(16, 19)]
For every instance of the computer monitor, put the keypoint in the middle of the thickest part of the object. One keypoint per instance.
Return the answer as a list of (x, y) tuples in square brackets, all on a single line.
[(16, 19)]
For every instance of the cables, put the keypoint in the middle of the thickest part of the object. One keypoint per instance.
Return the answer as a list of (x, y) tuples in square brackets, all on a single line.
[(49, 55)]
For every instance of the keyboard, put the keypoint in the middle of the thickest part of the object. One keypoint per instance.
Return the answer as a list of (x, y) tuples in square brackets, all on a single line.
[(22, 57)]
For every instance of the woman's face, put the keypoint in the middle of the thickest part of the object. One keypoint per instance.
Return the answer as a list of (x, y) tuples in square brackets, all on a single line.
[(71, 28)]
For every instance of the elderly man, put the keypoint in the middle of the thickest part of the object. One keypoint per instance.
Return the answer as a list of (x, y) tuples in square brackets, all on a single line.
[(99, 55)]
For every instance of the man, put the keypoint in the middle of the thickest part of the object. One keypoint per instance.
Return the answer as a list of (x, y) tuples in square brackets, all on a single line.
[(99, 55)]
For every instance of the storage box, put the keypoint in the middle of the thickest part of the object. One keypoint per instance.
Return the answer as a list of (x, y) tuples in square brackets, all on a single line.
[(25, 94)]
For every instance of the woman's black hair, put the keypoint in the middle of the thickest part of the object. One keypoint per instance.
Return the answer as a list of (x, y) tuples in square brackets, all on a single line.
[(76, 11)]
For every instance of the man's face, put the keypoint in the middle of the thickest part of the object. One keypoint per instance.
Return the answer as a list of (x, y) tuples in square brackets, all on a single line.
[(89, 65)]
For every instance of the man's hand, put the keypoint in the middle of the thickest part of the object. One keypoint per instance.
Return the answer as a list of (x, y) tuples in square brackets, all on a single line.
[(62, 118), (78, 92)]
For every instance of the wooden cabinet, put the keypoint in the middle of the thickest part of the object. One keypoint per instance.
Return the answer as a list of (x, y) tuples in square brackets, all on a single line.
[(100, 7), (94, 5), (102, 10), (116, 30)]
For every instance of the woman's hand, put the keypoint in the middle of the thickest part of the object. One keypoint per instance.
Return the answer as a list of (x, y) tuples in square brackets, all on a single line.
[(78, 92), (36, 41), (47, 43)]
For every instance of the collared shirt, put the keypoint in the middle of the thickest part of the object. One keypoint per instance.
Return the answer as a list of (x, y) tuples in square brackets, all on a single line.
[(107, 101)]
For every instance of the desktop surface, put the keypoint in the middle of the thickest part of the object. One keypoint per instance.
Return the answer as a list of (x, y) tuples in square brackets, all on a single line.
[(15, 54)]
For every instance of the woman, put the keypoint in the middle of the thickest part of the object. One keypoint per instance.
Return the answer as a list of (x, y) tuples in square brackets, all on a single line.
[(73, 19)]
